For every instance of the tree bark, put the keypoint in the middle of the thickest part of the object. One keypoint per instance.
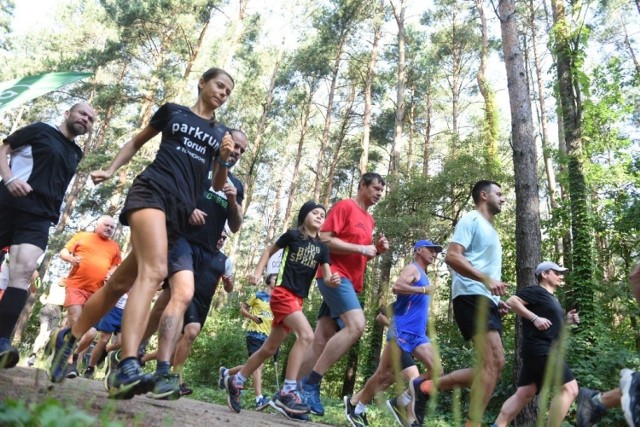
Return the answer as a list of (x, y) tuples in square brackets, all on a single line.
[(396, 148), (528, 238)]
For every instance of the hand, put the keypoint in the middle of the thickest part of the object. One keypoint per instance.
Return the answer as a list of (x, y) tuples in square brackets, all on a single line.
[(573, 317), (75, 260), (334, 280), (228, 283), (542, 324), (382, 245), (19, 188), (503, 308), (230, 191), (257, 320), (99, 176), (226, 148), (368, 250), (496, 287), (254, 278), (197, 217)]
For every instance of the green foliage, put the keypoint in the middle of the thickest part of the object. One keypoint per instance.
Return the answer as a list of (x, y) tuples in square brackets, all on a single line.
[(49, 413)]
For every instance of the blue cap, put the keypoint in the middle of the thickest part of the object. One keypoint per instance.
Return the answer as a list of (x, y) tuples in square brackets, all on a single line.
[(427, 244)]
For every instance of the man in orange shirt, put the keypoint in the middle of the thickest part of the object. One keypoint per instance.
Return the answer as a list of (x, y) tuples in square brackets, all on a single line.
[(93, 257)]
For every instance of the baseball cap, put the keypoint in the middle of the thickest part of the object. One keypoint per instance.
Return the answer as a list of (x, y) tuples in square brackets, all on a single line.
[(427, 244), (548, 265)]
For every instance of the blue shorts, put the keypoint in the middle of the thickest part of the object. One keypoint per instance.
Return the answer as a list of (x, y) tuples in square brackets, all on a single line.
[(336, 301), (112, 321), (407, 342)]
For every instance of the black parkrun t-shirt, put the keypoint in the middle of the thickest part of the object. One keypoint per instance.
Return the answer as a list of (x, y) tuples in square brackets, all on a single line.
[(186, 151), (216, 206), (47, 160), (300, 261), (543, 303)]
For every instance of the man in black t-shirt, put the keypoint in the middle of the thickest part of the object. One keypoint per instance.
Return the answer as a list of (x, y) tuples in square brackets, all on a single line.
[(44, 158), (543, 321)]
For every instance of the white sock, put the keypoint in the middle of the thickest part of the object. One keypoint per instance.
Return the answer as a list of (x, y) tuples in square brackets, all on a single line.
[(404, 399), (258, 398), (360, 409), (289, 386), (239, 379)]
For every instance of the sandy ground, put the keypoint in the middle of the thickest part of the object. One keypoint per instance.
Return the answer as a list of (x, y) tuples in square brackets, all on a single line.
[(33, 385)]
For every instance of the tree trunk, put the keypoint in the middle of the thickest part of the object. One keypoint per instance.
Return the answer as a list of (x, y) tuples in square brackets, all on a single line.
[(581, 293), (396, 148), (231, 44), (426, 150), (366, 130), (528, 239)]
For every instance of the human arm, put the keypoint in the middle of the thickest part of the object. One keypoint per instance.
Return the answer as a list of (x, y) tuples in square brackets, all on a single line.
[(382, 244), (227, 277), (254, 278), (15, 186), (573, 318), (220, 171), (234, 214), (197, 217), (383, 320), (339, 246), (125, 154), (404, 284), (69, 257), (245, 312), (334, 278), (518, 306), (456, 260)]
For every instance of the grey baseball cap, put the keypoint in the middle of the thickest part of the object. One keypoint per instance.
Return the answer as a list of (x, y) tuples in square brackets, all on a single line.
[(549, 265)]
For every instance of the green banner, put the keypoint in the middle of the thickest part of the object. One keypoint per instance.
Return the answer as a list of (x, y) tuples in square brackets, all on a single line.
[(18, 91)]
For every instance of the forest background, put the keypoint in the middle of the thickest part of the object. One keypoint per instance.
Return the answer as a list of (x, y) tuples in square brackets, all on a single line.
[(540, 95)]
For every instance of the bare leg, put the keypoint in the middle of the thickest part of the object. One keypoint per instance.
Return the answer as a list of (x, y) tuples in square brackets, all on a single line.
[(325, 329), (484, 382), (299, 324), (183, 348), (182, 287), (268, 349), (341, 341), (514, 404), (156, 313), (561, 403), (100, 347)]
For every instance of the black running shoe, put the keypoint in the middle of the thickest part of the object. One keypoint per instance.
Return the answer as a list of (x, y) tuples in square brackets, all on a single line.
[(588, 411), (166, 387), (129, 380), (630, 403), (419, 400), (355, 420), (233, 394), (61, 347), (399, 412), (9, 355)]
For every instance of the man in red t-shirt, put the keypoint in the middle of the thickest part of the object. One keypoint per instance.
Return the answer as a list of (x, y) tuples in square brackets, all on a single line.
[(93, 257), (348, 231)]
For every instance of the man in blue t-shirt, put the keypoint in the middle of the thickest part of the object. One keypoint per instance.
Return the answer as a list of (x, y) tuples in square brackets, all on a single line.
[(475, 257)]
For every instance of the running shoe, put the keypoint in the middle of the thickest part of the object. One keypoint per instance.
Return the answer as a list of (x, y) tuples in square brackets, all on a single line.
[(166, 387), (311, 396), (588, 411), (303, 418), (355, 420), (129, 380), (9, 355), (233, 393), (630, 403), (221, 377), (31, 360), (185, 390), (113, 360), (61, 347), (262, 402), (291, 402), (399, 412), (419, 400), (72, 371), (89, 372)]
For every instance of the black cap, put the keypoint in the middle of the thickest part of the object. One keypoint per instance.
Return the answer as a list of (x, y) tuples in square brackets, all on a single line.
[(306, 208)]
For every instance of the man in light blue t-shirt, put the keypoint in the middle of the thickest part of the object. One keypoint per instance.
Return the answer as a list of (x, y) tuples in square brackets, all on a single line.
[(475, 258)]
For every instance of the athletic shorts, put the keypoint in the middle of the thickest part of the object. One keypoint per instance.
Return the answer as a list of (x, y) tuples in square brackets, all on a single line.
[(50, 314), (336, 301), (197, 311), (112, 321), (145, 193), (407, 342), (76, 296), (283, 302), (464, 310), (18, 227), (254, 342), (533, 371)]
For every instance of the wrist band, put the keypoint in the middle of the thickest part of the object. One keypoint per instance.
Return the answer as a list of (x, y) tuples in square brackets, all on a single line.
[(10, 180), (534, 319), (225, 164)]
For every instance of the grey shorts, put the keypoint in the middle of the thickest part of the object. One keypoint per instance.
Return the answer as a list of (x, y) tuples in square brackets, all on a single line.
[(50, 314), (336, 301)]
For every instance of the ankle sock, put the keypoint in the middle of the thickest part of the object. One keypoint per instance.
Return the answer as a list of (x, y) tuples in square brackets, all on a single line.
[(360, 408), (239, 379), (162, 368), (289, 386), (404, 399)]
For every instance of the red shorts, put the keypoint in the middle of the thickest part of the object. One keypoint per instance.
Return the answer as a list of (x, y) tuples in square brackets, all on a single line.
[(76, 296), (283, 303)]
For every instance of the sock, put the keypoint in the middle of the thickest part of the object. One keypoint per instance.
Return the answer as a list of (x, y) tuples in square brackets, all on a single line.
[(11, 305), (289, 386), (225, 372), (360, 409), (404, 399), (258, 398), (425, 386), (314, 378), (239, 379), (75, 358), (162, 368)]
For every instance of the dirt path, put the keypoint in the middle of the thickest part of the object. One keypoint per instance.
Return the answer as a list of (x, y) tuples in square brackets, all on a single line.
[(33, 385)]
